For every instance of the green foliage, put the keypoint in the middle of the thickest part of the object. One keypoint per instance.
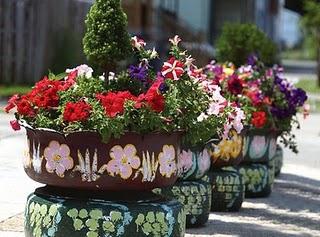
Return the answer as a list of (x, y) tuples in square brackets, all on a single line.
[(106, 41), (239, 41)]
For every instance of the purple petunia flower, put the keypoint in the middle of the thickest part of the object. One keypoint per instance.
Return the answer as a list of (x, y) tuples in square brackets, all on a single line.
[(139, 73)]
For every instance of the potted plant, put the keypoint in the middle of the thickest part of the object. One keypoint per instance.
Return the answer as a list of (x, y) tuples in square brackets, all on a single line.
[(270, 103)]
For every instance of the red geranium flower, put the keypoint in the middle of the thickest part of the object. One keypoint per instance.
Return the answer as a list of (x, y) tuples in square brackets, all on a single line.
[(79, 111), (113, 102), (24, 107), (259, 119), (173, 69), (235, 85)]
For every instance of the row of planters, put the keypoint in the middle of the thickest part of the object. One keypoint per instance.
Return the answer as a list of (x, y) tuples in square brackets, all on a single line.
[(137, 152)]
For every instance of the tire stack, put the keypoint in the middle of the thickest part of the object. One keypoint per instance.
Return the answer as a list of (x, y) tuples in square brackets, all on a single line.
[(227, 185), (278, 160), (258, 166), (192, 190)]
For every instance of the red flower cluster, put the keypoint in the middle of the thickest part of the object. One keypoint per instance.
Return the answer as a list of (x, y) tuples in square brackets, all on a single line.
[(235, 85), (113, 102), (259, 119), (153, 98), (45, 93), (79, 111)]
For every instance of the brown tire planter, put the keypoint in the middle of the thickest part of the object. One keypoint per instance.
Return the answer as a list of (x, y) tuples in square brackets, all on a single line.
[(258, 179), (81, 160), (195, 196), (228, 190), (58, 212)]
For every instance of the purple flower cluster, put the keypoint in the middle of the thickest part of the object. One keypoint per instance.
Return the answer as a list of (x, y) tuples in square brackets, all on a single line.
[(295, 97), (139, 73)]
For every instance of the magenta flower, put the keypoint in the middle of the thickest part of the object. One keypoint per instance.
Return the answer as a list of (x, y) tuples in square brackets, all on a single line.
[(167, 161), (124, 160), (58, 158)]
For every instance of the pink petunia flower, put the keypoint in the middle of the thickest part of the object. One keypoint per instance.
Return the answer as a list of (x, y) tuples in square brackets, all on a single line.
[(167, 161)]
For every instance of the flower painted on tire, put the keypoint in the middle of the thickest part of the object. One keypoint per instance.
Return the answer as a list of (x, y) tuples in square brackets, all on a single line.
[(58, 158), (167, 161), (204, 162), (185, 161), (258, 147), (123, 161), (272, 148)]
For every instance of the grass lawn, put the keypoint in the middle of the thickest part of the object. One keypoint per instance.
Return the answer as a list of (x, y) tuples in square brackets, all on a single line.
[(309, 86), (7, 91)]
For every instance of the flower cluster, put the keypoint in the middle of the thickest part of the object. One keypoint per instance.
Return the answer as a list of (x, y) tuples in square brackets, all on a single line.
[(268, 99), (137, 99)]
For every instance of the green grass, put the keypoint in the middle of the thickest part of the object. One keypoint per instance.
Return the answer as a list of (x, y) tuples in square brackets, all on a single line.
[(7, 91), (310, 86)]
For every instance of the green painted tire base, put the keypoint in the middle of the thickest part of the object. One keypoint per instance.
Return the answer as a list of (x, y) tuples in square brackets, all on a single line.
[(278, 159), (196, 198), (228, 190), (52, 213), (258, 179)]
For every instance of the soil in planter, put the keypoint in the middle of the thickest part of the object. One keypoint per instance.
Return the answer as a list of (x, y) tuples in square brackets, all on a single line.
[(53, 214), (258, 179), (196, 198), (228, 190)]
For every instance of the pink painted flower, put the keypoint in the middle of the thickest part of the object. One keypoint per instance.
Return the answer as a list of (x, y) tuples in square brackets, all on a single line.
[(58, 158), (167, 161), (185, 161), (124, 160), (204, 161)]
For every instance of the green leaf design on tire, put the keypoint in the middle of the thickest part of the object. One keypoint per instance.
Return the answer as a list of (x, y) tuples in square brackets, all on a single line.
[(153, 224), (42, 219)]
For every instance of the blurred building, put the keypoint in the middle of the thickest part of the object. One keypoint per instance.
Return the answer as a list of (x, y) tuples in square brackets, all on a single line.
[(39, 34)]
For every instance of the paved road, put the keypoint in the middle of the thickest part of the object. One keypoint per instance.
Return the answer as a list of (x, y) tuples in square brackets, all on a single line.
[(292, 210)]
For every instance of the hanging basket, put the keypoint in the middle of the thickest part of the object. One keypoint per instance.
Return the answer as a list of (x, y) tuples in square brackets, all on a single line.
[(81, 160)]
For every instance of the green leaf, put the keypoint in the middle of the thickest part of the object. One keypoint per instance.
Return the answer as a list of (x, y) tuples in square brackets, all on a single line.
[(92, 224), (43, 210), (140, 219), (83, 213), (73, 213), (116, 216), (78, 224), (53, 210), (96, 214), (160, 217), (92, 234), (150, 217), (108, 226)]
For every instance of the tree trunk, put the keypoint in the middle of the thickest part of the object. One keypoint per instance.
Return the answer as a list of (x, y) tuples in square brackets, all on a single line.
[(109, 68)]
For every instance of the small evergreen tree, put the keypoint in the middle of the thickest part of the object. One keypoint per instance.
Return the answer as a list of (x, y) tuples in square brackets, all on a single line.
[(238, 41), (106, 40)]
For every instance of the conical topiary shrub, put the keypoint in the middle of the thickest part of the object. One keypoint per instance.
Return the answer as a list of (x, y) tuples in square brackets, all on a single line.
[(106, 41)]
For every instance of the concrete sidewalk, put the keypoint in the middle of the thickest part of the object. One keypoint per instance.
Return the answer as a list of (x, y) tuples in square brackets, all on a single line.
[(292, 210)]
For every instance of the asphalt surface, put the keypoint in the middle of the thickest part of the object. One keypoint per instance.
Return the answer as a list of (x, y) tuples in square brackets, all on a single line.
[(293, 209)]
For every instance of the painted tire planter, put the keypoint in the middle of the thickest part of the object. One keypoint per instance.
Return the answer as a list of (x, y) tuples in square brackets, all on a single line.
[(81, 160), (228, 190), (195, 197), (62, 214), (258, 179), (226, 152), (259, 146), (278, 160), (193, 165)]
